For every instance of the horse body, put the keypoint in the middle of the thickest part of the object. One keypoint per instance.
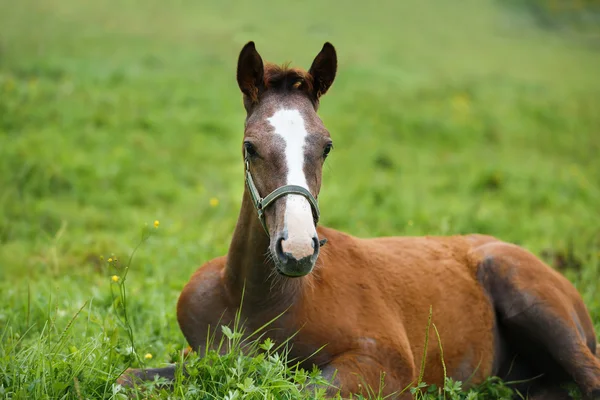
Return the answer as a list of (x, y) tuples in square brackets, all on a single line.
[(366, 307), (365, 303)]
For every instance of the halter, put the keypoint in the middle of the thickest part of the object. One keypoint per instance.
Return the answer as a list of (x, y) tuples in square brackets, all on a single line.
[(261, 203)]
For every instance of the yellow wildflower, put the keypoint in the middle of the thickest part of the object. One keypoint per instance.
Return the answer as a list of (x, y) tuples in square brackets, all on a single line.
[(9, 85), (461, 104), (214, 202), (110, 260), (115, 278), (148, 356), (156, 223)]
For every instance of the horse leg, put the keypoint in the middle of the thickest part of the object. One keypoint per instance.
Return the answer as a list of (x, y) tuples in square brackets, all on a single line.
[(200, 306), (541, 315), (361, 374), (135, 376)]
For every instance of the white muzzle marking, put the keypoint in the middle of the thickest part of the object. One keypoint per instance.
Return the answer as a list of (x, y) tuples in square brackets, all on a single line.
[(298, 218)]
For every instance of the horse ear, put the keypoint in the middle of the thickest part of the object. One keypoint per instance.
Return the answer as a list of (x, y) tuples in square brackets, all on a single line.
[(323, 69), (250, 72)]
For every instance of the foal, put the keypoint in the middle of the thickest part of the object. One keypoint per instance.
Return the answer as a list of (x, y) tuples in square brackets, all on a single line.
[(498, 309)]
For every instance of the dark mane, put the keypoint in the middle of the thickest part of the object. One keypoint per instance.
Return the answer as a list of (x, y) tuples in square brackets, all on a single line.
[(285, 78)]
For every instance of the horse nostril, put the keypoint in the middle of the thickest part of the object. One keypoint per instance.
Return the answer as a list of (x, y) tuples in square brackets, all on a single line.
[(315, 244), (279, 249)]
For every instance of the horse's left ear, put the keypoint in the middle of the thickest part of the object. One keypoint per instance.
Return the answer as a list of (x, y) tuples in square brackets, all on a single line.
[(323, 69)]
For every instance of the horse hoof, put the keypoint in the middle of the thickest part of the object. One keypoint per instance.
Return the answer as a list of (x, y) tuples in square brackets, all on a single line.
[(129, 378)]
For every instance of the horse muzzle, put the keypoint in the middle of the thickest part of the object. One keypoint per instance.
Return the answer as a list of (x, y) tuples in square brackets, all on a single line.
[(294, 258)]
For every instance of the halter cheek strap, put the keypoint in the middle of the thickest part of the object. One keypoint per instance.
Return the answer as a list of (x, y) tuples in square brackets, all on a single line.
[(262, 203)]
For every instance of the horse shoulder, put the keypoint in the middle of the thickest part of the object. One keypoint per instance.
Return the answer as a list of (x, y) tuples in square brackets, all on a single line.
[(203, 303)]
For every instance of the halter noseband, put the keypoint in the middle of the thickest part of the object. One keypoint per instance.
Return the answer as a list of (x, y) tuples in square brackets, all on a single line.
[(261, 203)]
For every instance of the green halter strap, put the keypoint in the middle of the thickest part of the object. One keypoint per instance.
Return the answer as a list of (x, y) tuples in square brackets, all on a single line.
[(262, 203)]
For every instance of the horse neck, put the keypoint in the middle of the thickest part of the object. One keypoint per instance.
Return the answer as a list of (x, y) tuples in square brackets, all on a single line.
[(251, 271)]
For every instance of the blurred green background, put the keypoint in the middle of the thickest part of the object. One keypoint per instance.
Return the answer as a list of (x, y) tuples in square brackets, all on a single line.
[(447, 117)]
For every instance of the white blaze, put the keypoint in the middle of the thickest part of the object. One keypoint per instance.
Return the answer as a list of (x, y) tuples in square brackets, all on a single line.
[(298, 219)]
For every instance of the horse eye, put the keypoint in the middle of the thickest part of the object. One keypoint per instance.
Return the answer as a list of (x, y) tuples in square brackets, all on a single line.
[(250, 149), (327, 149)]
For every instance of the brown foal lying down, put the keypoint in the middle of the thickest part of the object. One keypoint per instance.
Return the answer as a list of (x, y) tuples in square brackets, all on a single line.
[(499, 310)]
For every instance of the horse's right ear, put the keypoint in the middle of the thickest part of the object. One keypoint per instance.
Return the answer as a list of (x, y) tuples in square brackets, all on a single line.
[(250, 72)]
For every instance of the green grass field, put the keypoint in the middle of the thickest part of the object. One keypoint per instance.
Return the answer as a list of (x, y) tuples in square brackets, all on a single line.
[(115, 114)]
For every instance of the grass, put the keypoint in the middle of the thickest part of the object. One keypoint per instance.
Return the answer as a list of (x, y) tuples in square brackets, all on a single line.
[(116, 114)]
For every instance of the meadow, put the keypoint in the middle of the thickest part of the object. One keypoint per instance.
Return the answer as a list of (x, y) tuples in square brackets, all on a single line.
[(120, 130)]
